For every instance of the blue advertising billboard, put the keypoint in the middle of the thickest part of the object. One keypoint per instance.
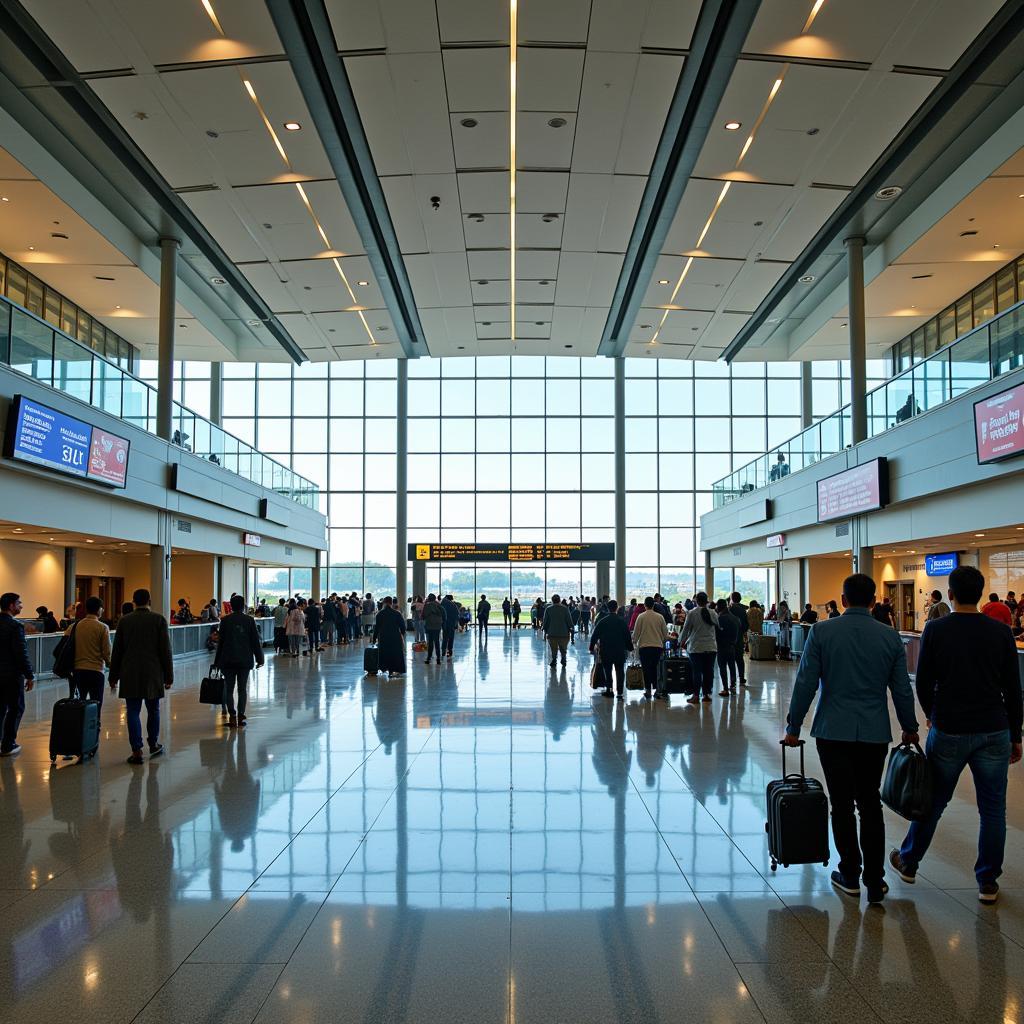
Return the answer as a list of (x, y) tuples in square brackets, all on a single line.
[(52, 439), (941, 565)]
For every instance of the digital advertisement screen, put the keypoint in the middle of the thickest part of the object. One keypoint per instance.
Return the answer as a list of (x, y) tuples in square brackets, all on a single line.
[(854, 491), (512, 552), (941, 565), (52, 439), (997, 425), (45, 437)]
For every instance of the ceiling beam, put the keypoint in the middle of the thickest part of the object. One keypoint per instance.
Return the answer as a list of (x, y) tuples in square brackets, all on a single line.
[(982, 90), (721, 30), (305, 30), (69, 118)]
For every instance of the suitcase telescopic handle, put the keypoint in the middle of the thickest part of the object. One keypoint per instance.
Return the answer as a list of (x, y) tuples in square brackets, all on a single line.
[(800, 744)]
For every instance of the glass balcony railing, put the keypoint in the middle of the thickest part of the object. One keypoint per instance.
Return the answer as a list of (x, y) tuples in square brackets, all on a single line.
[(987, 352), (40, 351)]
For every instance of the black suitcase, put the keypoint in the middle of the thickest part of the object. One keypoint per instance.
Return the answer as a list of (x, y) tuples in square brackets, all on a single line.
[(676, 675), (797, 824), (75, 728), (371, 661)]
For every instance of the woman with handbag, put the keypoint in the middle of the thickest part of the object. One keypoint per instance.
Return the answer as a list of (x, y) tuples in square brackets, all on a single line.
[(699, 636), (295, 628)]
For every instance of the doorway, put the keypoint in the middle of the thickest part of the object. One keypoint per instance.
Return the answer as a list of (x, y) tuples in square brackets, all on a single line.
[(109, 589), (901, 596)]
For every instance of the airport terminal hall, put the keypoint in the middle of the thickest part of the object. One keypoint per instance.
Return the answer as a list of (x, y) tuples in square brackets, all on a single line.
[(511, 511)]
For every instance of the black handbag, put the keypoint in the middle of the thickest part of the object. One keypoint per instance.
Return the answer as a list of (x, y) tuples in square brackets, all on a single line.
[(907, 788), (211, 689), (64, 655)]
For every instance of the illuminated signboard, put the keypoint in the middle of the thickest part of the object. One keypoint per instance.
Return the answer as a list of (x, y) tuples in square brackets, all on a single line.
[(776, 540), (554, 552), (941, 565), (998, 425), (854, 491), (52, 439)]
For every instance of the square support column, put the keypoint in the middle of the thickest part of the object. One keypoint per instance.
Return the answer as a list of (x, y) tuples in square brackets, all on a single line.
[(70, 571), (858, 341), (620, 481), (165, 335), (402, 488)]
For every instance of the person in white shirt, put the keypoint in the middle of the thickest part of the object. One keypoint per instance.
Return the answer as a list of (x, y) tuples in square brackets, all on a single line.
[(699, 636), (649, 635)]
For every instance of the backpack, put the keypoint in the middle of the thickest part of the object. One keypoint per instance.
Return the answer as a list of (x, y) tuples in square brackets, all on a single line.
[(64, 655)]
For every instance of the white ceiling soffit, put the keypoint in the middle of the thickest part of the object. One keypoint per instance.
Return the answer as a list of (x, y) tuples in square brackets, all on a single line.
[(595, 79)]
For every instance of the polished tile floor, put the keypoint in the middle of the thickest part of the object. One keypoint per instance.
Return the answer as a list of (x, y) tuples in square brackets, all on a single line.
[(484, 841)]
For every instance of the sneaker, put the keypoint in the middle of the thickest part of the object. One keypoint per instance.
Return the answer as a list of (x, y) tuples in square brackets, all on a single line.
[(988, 892), (693, 700), (232, 722), (607, 693), (619, 696), (551, 663), (723, 693), (16, 749), (136, 758), (844, 885), (242, 721), (157, 750), (707, 699), (877, 893), (908, 875)]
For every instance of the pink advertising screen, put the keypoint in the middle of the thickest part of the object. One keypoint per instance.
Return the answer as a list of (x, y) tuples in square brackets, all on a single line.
[(108, 458), (998, 426), (861, 489)]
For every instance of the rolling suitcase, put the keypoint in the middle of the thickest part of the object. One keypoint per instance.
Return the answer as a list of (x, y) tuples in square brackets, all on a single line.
[(371, 661), (797, 824), (762, 647), (677, 675), (75, 728)]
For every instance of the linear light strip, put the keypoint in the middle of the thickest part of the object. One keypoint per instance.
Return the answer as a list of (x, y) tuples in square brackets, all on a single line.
[(513, 33), (818, 4), (212, 14), (774, 91), (266, 122)]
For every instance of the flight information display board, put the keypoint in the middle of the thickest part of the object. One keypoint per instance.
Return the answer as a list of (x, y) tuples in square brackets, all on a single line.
[(46, 437), (854, 491), (552, 552)]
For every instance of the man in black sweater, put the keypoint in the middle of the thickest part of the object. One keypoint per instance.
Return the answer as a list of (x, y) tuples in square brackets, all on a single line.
[(612, 635), (969, 687)]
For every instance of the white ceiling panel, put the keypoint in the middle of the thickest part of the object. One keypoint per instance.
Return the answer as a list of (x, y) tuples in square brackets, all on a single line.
[(608, 83), (530, 290), (370, 78), (548, 78), (939, 31), (797, 221), (753, 282), (472, 21), (656, 78), (357, 25), (586, 279), (477, 79), (533, 230), (540, 144), (216, 212), (564, 22), (601, 211), (480, 146), (541, 192), (670, 24), (440, 279)]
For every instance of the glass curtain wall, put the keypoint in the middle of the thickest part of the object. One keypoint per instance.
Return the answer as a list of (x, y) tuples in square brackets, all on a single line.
[(509, 449)]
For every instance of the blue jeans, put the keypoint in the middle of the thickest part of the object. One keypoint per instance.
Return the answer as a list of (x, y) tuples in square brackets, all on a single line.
[(133, 715), (12, 707), (988, 755)]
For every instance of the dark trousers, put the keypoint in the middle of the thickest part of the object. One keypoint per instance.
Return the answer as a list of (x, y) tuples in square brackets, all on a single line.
[(314, 638), (508, 617), (433, 644), (239, 676), (447, 639), (12, 707), (87, 683), (703, 664), (481, 624), (853, 775), (133, 719), (619, 666), (649, 658), (727, 667), (740, 664), (280, 639)]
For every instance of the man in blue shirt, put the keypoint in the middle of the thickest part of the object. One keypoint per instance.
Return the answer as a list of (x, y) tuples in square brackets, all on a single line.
[(857, 661)]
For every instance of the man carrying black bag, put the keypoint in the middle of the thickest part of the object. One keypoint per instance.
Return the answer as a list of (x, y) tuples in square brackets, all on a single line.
[(239, 649), (969, 688), (857, 662)]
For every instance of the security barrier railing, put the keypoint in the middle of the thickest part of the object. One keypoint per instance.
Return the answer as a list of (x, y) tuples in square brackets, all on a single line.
[(39, 350), (987, 352)]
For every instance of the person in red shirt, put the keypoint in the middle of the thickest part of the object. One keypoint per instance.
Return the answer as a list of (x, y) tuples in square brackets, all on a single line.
[(995, 609)]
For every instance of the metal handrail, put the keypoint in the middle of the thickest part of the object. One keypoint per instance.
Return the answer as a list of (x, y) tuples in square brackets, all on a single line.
[(988, 351), (119, 392)]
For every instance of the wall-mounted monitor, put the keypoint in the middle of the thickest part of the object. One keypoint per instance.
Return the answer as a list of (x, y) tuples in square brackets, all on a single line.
[(54, 440), (998, 423), (941, 565), (854, 491)]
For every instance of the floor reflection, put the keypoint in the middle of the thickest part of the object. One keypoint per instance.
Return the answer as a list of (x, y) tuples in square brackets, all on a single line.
[(485, 840)]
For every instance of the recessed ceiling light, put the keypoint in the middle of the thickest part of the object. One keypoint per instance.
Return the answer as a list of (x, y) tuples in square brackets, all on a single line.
[(807, 279), (772, 320), (31, 248), (117, 307), (17, 529), (461, 348), (483, 282), (362, 284), (4, 199), (664, 281), (995, 245), (733, 126), (58, 234), (476, 218), (557, 122), (968, 234), (549, 217), (645, 327), (919, 277), (469, 122), (381, 328), (568, 346), (293, 126), (254, 323), (1021, 196), (888, 192), (183, 327), (87, 541), (100, 277), (543, 282), (539, 323), (979, 535), (217, 281)]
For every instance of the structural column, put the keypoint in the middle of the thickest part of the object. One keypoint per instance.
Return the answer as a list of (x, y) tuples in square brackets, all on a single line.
[(709, 576), (160, 569), (216, 393), (314, 584), (165, 337), (419, 578), (402, 487), (70, 570), (858, 341), (620, 480), (806, 396), (604, 572)]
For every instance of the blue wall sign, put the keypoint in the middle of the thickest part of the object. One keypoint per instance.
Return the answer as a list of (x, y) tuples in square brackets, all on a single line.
[(941, 565), (48, 438)]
